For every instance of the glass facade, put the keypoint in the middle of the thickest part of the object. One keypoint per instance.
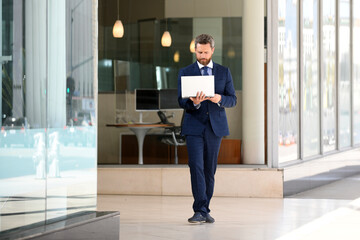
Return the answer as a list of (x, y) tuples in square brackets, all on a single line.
[(142, 62), (356, 71), (48, 166), (139, 61), (329, 134), (322, 70), (288, 80), (344, 75), (329, 76), (310, 78)]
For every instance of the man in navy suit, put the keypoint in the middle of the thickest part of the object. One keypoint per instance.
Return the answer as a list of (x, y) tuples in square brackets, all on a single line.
[(205, 124)]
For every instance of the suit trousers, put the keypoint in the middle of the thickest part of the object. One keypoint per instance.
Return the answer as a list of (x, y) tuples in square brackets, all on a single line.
[(203, 152)]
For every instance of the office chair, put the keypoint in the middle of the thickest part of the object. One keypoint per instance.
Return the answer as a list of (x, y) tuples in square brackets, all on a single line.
[(172, 134)]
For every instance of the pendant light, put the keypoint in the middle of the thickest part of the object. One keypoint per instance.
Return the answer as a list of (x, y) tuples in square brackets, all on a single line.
[(192, 46), (166, 38), (231, 52), (177, 56), (118, 29)]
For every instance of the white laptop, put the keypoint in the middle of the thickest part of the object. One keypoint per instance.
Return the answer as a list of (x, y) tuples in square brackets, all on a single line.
[(190, 85)]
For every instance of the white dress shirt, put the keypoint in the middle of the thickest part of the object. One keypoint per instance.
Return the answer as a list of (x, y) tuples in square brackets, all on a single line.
[(210, 68)]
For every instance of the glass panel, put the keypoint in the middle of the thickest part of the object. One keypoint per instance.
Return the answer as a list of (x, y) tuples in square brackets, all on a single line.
[(71, 172), (344, 74), (311, 115), (328, 75), (48, 125), (288, 87), (356, 70), (22, 137), (138, 60), (147, 64)]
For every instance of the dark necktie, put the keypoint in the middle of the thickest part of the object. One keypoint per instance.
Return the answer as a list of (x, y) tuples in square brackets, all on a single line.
[(205, 71)]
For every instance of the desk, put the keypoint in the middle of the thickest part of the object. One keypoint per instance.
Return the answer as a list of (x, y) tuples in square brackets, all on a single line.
[(140, 130)]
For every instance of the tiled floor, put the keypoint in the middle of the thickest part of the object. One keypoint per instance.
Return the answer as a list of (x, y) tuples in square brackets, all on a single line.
[(331, 211), (327, 212)]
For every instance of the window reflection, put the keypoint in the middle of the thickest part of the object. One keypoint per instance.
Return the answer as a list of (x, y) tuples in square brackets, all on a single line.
[(344, 74), (288, 87), (328, 75), (71, 133), (22, 162), (138, 60), (311, 116), (356, 71), (48, 133)]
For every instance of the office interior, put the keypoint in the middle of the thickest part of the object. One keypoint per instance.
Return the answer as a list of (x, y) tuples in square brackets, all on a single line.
[(65, 77)]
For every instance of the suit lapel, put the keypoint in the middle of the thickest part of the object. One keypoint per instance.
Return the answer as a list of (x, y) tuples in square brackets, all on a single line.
[(214, 70), (196, 69)]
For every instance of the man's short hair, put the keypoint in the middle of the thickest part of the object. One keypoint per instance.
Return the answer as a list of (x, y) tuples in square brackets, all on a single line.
[(205, 39)]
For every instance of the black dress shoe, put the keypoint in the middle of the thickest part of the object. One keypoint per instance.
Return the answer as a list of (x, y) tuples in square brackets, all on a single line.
[(197, 218), (209, 219)]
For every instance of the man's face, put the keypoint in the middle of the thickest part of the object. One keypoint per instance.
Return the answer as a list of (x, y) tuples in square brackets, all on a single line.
[(204, 53)]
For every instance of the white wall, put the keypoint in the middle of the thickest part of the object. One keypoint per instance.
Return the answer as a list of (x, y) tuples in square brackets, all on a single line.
[(202, 8)]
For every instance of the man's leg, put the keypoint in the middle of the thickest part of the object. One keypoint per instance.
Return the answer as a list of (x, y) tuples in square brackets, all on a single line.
[(211, 152), (195, 147)]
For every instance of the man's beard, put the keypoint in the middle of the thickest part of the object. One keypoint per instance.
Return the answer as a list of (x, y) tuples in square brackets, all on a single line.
[(204, 61)]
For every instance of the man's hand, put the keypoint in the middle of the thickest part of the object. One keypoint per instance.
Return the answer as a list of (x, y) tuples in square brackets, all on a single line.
[(200, 96), (216, 98)]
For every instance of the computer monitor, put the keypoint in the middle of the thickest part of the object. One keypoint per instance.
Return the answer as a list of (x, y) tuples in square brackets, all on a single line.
[(146, 99), (169, 99)]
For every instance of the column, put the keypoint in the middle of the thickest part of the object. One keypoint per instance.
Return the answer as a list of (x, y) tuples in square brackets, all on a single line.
[(253, 83), (18, 74), (1, 67), (56, 64), (35, 58)]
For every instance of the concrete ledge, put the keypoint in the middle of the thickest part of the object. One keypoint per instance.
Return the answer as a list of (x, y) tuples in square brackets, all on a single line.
[(175, 181), (83, 225)]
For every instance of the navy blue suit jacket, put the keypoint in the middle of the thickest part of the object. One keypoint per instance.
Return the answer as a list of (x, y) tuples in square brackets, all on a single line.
[(195, 119)]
